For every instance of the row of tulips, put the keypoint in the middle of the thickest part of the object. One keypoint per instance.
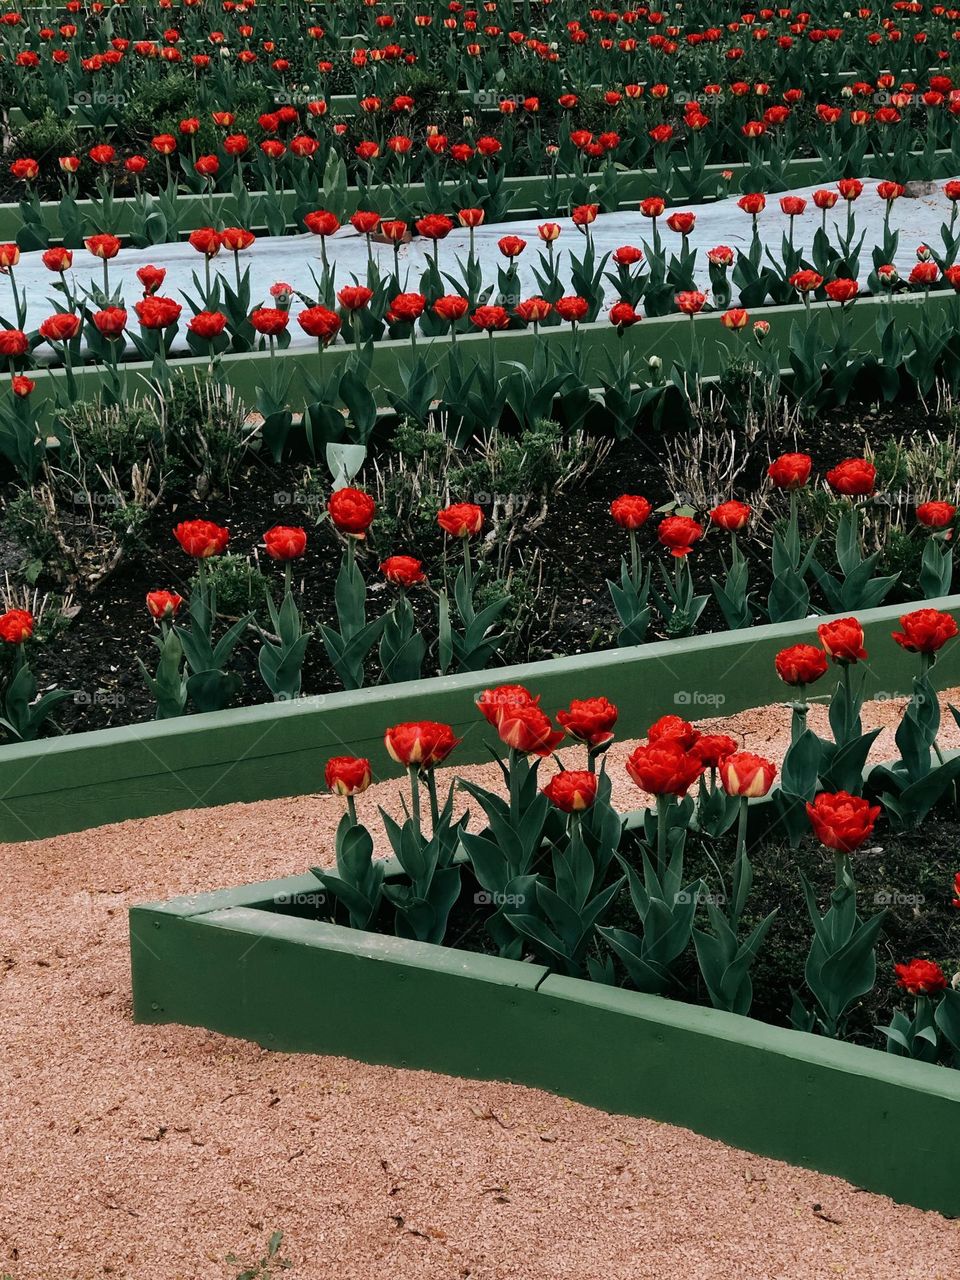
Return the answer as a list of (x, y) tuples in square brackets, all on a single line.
[(799, 570), (92, 322), (375, 157), (558, 44), (668, 280), (196, 669), (554, 860)]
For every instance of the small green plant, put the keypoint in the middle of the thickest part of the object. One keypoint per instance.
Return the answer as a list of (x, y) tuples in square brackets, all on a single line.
[(239, 583), (269, 1265)]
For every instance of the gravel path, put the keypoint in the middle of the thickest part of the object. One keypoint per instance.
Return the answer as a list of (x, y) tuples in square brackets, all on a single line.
[(149, 1153)]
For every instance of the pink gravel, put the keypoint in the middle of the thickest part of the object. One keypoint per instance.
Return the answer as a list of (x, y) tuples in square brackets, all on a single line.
[(149, 1153)]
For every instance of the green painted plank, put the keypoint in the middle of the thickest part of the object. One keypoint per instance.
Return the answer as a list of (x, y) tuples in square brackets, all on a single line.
[(664, 337), (272, 750), (884, 1123)]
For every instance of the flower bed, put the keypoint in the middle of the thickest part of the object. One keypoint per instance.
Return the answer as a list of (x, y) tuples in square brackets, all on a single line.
[(553, 930)]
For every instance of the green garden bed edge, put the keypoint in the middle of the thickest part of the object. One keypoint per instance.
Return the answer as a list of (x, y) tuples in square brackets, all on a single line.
[(295, 985), (666, 337), (271, 750)]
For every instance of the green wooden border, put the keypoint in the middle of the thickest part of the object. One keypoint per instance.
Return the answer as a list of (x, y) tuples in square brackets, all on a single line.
[(882, 1122), (271, 750), (666, 337)]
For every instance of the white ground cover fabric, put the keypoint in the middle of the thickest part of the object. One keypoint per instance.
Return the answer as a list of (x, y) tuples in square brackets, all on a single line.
[(289, 258)]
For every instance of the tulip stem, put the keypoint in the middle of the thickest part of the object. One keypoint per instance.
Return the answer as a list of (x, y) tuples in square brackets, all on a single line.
[(663, 805), (634, 558), (742, 828), (467, 569), (434, 805), (414, 773), (352, 809)]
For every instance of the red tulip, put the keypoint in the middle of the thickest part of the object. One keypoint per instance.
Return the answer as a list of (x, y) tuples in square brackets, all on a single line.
[(675, 728), (435, 226), (348, 775), (490, 702), (208, 324), (151, 278), (103, 246), (735, 319), (403, 571), (351, 511), (321, 222), (163, 604), (572, 309), (936, 515), (731, 515), (207, 241), (678, 534), (806, 281), (511, 246), (744, 774), (572, 791), (920, 977), (622, 314), (111, 322), (236, 238), (408, 307), (664, 768), (843, 640), (13, 342), (627, 256), (691, 301), (800, 664), (58, 259), (60, 327), (753, 203), (854, 478), (790, 470), (285, 542), (16, 626), (157, 313), (925, 630), (423, 743), (842, 291), (713, 748), (533, 310), (842, 822), (490, 318), (319, 323), (452, 307), (354, 297), (682, 223), (461, 519), (589, 720), (270, 321), (525, 728), (201, 538), (630, 511)]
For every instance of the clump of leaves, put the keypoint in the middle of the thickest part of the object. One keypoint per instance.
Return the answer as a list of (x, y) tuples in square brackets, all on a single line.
[(269, 1265), (239, 583), (94, 495), (207, 433)]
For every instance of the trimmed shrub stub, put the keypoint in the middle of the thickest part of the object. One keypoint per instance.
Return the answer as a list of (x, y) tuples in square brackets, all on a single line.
[(882, 1122)]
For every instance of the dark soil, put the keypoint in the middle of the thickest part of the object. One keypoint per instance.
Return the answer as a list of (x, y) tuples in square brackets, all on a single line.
[(569, 612)]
